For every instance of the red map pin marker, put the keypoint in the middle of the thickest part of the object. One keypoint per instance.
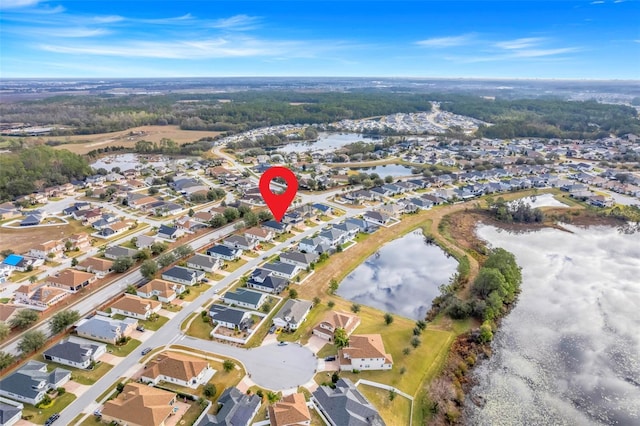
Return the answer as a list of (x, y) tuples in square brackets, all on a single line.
[(278, 203)]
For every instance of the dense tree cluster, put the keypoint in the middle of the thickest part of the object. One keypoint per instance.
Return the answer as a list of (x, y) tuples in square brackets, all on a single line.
[(25, 171), (517, 211)]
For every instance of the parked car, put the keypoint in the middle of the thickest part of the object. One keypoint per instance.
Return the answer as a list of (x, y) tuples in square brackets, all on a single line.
[(205, 280), (272, 329), (146, 351), (330, 358), (282, 343), (52, 419), (140, 328)]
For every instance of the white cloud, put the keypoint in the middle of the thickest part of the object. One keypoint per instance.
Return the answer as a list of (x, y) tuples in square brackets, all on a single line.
[(597, 2), (520, 43), (107, 19), (184, 49), (440, 42), (536, 53), (237, 22), (12, 4)]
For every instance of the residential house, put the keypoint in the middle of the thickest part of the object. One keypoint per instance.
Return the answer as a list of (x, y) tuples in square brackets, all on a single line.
[(323, 208), (177, 368), (245, 298), (229, 317), (344, 405), (276, 227), (135, 307), (71, 280), (114, 252), (292, 314), (8, 311), (203, 217), (235, 408), (10, 414), (8, 211), (80, 241), (113, 229), (50, 250), (259, 234), (314, 245), (77, 353), (105, 329), (365, 352), (181, 275), (333, 237), (291, 410), (264, 280), (376, 217), (392, 210), (31, 220), (96, 265), (140, 405), (239, 242), (334, 320), (299, 259), (144, 241), (363, 225), (165, 291), (39, 297), (349, 230), (168, 232), (204, 263), (30, 382), (138, 201), (280, 269), (292, 218), (223, 252)]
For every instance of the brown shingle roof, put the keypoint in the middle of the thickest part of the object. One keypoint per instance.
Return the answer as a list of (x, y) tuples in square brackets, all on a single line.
[(70, 278), (257, 231), (366, 346), (164, 287), (96, 263), (175, 365), (140, 404), (291, 410), (135, 304), (6, 311), (339, 320)]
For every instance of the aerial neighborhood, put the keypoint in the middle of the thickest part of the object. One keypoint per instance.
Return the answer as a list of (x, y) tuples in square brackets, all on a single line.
[(161, 290)]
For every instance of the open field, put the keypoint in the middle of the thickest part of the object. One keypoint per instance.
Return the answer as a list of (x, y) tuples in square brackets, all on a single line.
[(396, 412), (20, 240), (81, 144)]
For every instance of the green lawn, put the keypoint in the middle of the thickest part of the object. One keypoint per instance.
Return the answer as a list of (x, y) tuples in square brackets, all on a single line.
[(154, 325), (361, 236), (125, 349), (283, 237), (171, 307), (40, 415), (251, 254), (192, 413), (396, 412), (195, 291), (267, 246), (304, 332), (89, 421), (258, 336), (232, 266), (327, 350), (186, 321), (85, 377), (200, 329)]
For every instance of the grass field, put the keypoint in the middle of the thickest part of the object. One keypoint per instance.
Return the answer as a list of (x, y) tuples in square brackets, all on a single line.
[(81, 144), (40, 415), (200, 329), (124, 350), (154, 325), (232, 266), (84, 377), (396, 412), (23, 239)]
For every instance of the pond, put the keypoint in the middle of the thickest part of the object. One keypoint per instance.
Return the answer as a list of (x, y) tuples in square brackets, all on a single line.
[(128, 161), (544, 200), (327, 142), (394, 170), (402, 277), (569, 352)]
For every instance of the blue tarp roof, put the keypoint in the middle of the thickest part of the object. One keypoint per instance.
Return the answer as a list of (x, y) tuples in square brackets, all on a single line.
[(12, 259)]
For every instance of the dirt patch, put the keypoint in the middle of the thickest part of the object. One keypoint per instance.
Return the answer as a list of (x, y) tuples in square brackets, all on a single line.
[(81, 144), (21, 240)]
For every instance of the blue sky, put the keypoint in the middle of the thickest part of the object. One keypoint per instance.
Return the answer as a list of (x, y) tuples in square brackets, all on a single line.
[(181, 38)]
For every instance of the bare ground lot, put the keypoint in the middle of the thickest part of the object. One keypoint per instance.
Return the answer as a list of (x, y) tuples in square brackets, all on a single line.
[(20, 240), (81, 144)]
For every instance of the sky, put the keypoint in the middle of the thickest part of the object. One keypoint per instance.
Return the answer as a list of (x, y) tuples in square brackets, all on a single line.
[(207, 38)]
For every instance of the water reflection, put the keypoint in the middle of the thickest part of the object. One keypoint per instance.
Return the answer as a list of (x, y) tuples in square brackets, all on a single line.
[(402, 278), (327, 142), (569, 353), (394, 170)]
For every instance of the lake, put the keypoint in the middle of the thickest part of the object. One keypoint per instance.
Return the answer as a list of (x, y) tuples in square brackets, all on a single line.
[(402, 277), (327, 142), (394, 170), (544, 200), (569, 352), (127, 161)]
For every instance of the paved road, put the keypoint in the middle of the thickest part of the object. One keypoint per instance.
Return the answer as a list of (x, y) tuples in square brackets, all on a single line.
[(264, 367), (99, 297)]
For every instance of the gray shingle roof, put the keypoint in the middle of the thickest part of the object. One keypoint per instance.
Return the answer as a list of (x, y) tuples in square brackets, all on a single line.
[(293, 310), (73, 351), (237, 409), (103, 327), (244, 295), (26, 379), (346, 406), (296, 256), (181, 273), (226, 314), (8, 412), (283, 268)]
